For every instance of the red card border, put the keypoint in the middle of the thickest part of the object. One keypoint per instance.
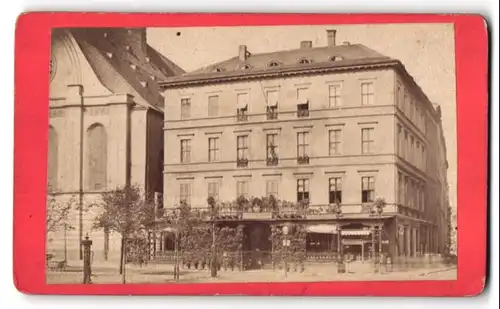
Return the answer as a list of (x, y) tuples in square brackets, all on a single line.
[(32, 50)]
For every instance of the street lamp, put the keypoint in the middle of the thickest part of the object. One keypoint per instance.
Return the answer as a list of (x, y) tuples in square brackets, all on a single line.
[(286, 244), (340, 258)]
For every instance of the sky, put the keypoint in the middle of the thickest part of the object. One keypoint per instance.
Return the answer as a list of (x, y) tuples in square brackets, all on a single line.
[(426, 50)]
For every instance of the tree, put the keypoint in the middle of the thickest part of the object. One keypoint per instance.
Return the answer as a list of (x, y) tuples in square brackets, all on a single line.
[(58, 213), (127, 211)]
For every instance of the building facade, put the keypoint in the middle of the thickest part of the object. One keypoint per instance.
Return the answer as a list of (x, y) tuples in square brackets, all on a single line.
[(105, 128), (337, 124)]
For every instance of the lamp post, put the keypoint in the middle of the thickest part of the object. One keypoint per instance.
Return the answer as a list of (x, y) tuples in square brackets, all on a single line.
[(286, 243), (340, 258)]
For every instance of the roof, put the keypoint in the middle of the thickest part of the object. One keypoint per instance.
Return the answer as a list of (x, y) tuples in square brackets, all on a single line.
[(290, 58), (340, 56), (126, 52)]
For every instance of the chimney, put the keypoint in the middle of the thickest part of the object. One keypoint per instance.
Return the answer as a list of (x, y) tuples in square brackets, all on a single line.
[(331, 36), (305, 44), (243, 53)]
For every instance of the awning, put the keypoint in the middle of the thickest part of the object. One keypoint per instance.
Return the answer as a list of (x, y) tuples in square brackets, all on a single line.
[(322, 228), (356, 232), (242, 105), (272, 103)]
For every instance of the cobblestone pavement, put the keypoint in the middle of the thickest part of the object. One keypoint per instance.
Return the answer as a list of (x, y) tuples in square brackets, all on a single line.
[(313, 273)]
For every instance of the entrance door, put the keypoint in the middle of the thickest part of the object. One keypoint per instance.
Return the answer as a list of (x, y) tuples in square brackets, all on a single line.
[(257, 246)]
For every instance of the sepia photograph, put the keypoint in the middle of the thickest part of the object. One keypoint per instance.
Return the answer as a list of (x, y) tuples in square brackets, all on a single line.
[(252, 154)]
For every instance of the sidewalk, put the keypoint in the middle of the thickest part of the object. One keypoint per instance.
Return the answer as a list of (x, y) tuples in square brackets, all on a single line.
[(164, 274)]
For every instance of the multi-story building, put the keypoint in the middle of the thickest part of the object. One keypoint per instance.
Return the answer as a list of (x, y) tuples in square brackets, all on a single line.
[(105, 128), (336, 124)]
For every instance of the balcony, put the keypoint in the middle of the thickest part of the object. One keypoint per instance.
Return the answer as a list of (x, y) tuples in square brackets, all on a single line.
[(301, 113), (303, 160), (273, 161), (271, 114), (241, 116), (242, 162)]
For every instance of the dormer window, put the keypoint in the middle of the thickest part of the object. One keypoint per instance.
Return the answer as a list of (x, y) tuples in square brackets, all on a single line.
[(245, 67), (302, 102), (219, 70), (304, 61), (273, 64), (336, 58)]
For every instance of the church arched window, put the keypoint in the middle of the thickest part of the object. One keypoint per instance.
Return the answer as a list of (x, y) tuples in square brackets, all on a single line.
[(53, 160), (97, 157)]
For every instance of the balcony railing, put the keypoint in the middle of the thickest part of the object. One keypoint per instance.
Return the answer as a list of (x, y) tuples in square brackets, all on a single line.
[(303, 160), (242, 162), (242, 116), (273, 161), (272, 114), (302, 113)]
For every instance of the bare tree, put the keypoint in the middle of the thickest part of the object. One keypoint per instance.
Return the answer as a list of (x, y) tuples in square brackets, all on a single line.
[(58, 213), (126, 210)]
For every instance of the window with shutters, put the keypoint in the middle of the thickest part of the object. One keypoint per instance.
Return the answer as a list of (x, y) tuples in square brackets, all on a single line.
[(242, 188), (272, 188), (335, 190), (334, 96), (303, 147), (213, 106), (185, 151), (367, 140), (213, 190), (367, 189), (303, 190), (213, 149), (185, 108), (335, 141), (302, 102), (272, 149), (272, 104), (367, 93), (242, 106), (242, 150), (97, 157)]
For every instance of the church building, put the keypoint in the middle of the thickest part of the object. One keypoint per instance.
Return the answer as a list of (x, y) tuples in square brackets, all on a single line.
[(106, 127)]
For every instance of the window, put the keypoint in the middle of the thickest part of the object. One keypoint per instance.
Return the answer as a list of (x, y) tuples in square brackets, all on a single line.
[(272, 104), (400, 141), (367, 141), (242, 101), (417, 116), (417, 157), (417, 195), (272, 149), (367, 189), (405, 152), (334, 96), (185, 193), (399, 98), (185, 108), (53, 161), (367, 93), (213, 190), (242, 188), (272, 188), (273, 64), (424, 159), (401, 189), (410, 108), (335, 138), (213, 149), (405, 190), (412, 149), (185, 151), (335, 191), (304, 61), (97, 158), (303, 190), (213, 106), (242, 150), (302, 147), (336, 58), (302, 102)]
